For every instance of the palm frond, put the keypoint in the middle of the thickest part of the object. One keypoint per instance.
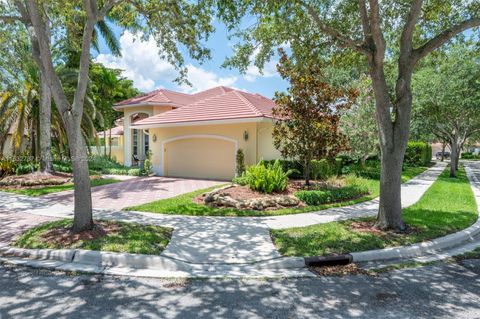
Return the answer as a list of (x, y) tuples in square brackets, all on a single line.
[(110, 39)]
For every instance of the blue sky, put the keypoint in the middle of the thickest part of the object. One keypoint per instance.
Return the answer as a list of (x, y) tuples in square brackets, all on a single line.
[(141, 63)]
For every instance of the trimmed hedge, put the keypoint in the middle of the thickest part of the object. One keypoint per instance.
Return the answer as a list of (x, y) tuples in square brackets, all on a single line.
[(319, 197), (470, 156), (418, 154), (320, 169)]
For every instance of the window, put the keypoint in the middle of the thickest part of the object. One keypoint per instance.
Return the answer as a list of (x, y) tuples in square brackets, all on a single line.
[(146, 138), (135, 142)]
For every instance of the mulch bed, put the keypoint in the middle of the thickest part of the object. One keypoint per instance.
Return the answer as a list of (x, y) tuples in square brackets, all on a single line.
[(35, 180), (369, 227), (244, 192), (64, 237)]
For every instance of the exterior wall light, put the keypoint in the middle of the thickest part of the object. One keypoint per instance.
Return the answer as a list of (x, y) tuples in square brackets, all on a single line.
[(245, 135), (154, 138)]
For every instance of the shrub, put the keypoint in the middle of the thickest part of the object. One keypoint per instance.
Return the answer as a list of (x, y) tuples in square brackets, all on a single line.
[(116, 171), (370, 170), (471, 156), (26, 168), (418, 154), (294, 167), (7, 167), (322, 169), (240, 159), (267, 178), (331, 195), (240, 180), (135, 172)]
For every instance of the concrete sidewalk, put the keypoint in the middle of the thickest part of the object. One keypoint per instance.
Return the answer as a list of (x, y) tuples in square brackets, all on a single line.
[(233, 240)]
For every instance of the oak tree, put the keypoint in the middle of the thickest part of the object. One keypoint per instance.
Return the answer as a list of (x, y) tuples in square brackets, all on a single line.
[(365, 34)]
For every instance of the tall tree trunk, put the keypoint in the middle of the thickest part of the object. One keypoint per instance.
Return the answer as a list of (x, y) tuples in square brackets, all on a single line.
[(83, 219), (45, 133), (306, 171), (110, 143), (390, 206), (71, 113), (443, 151), (454, 156), (104, 143)]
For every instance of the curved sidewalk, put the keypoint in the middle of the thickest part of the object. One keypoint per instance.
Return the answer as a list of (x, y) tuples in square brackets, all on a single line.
[(228, 240)]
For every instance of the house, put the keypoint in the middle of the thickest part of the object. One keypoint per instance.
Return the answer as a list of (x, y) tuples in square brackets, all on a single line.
[(196, 135)]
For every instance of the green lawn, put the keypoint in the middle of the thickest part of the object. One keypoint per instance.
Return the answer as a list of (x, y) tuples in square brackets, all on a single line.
[(183, 204), (58, 188), (447, 206), (131, 238)]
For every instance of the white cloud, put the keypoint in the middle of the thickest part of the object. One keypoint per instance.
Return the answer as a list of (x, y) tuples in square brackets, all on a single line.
[(269, 69), (202, 79), (140, 61)]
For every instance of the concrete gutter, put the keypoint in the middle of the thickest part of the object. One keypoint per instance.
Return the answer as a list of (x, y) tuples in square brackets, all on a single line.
[(162, 266), (433, 246), (78, 260)]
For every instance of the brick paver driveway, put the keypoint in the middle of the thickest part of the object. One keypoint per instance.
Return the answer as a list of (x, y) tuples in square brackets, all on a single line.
[(13, 224), (135, 191)]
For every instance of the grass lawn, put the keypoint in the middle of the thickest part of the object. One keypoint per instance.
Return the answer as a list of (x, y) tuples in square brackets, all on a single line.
[(446, 207), (128, 238), (183, 204), (58, 188)]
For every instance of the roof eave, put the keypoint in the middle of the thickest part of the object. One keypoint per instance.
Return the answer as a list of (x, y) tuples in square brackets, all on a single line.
[(119, 107), (206, 122)]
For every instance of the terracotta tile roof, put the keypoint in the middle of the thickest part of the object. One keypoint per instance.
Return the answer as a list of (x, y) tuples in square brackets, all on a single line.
[(161, 96), (217, 104), (116, 131)]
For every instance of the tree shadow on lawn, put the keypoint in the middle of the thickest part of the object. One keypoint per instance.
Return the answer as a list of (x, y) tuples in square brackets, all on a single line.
[(340, 237), (432, 291)]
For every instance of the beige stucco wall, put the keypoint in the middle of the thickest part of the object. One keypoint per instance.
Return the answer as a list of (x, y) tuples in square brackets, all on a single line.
[(117, 151), (266, 149), (258, 146)]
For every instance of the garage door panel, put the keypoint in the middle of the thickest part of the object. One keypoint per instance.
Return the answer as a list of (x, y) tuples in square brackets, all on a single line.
[(200, 158)]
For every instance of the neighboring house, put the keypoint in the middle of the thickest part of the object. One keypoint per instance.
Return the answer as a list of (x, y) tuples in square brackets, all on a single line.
[(115, 136), (196, 135), (475, 149)]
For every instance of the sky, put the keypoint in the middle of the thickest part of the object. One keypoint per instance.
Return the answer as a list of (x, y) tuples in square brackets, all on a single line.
[(141, 63)]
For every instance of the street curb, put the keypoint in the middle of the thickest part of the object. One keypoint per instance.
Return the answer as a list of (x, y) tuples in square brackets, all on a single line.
[(65, 255), (77, 260), (161, 266), (431, 246)]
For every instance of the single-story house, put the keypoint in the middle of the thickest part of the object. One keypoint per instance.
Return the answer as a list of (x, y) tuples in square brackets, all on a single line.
[(195, 135)]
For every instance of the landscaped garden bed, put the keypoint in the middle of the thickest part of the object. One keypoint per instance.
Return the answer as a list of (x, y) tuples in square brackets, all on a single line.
[(112, 236), (446, 207), (37, 184), (338, 191)]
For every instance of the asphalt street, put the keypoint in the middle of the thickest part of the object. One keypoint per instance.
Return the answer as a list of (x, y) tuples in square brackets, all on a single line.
[(445, 290)]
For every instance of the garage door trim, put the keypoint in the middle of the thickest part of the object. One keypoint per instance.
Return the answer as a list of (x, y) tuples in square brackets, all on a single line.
[(211, 136)]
